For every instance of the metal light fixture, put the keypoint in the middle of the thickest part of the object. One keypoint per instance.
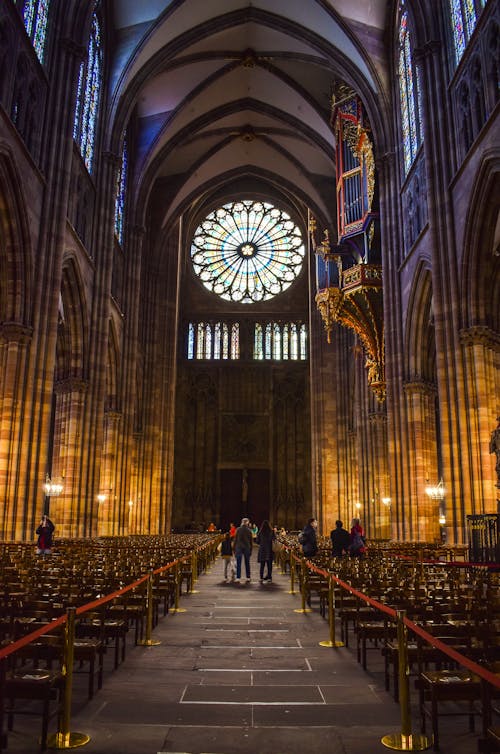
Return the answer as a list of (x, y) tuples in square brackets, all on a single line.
[(437, 491), (51, 487), (386, 501)]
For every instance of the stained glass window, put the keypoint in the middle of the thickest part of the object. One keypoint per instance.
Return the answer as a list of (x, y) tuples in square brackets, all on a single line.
[(267, 343), (258, 349), (207, 340), (200, 341), (217, 340), (409, 95), (225, 341), (286, 341), (235, 341), (247, 251), (121, 185), (294, 344), (303, 342), (87, 98), (463, 16), (191, 341), (35, 16), (280, 342)]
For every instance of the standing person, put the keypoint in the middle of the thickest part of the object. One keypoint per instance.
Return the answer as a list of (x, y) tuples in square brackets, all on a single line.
[(243, 541), (232, 530), (308, 538), (265, 539), (45, 533), (226, 551), (357, 546), (340, 540)]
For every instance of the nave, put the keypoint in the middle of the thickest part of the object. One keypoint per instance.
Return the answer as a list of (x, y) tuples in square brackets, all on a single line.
[(242, 671)]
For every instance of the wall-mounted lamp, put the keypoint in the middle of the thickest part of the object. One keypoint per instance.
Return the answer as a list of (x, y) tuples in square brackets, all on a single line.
[(51, 488), (386, 501), (437, 491), (101, 497), (130, 503)]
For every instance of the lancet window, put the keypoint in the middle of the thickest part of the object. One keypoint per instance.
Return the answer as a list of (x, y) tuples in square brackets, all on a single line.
[(279, 341), (409, 94), (213, 341), (121, 188), (88, 95), (463, 16), (35, 17)]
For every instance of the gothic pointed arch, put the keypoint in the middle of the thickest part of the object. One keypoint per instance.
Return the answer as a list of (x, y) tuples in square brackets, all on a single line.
[(15, 246), (72, 333), (112, 370), (481, 253), (420, 346)]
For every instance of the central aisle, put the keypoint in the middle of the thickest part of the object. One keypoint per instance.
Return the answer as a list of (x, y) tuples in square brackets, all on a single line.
[(239, 673)]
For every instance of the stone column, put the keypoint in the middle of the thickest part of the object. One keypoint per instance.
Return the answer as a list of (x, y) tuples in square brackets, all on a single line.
[(109, 510), (33, 423), (93, 430), (451, 385), (481, 347), (421, 519), (380, 475), (14, 344)]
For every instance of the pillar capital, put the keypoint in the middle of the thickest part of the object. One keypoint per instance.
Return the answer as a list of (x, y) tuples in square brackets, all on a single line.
[(15, 332)]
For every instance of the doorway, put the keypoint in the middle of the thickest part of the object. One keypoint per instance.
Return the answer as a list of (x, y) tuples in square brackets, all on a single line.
[(244, 492)]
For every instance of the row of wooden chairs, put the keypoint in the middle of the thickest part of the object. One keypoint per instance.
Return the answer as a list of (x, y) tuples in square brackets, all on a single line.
[(457, 604), (37, 590)]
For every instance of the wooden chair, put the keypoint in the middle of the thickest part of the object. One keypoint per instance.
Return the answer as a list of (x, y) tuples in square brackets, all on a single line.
[(444, 692), (31, 685)]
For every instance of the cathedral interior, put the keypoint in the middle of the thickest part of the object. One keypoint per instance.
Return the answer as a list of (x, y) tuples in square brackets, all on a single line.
[(249, 265)]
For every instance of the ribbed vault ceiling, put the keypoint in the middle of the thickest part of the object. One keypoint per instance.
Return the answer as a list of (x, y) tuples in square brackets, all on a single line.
[(227, 87)]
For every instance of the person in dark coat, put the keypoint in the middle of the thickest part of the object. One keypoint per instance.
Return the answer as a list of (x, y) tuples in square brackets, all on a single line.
[(226, 551), (243, 541), (308, 538), (45, 535), (340, 540), (265, 539)]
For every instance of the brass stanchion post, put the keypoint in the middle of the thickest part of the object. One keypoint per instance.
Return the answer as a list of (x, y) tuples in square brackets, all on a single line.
[(194, 572), (406, 740), (63, 739), (303, 589), (292, 574), (148, 641), (282, 554), (177, 572), (331, 642)]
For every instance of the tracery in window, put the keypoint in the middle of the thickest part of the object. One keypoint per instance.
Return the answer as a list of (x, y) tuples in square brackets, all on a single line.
[(35, 17), (409, 94), (247, 251), (88, 94), (213, 341), (121, 187), (280, 341), (463, 17)]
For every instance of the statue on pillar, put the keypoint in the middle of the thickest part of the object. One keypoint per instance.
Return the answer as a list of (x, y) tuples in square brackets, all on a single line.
[(244, 485), (495, 448)]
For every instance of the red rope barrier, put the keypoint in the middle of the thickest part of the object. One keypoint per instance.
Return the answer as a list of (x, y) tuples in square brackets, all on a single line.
[(31, 637), (478, 670)]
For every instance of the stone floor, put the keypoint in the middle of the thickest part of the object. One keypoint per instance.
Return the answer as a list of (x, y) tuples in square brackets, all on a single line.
[(240, 672)]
